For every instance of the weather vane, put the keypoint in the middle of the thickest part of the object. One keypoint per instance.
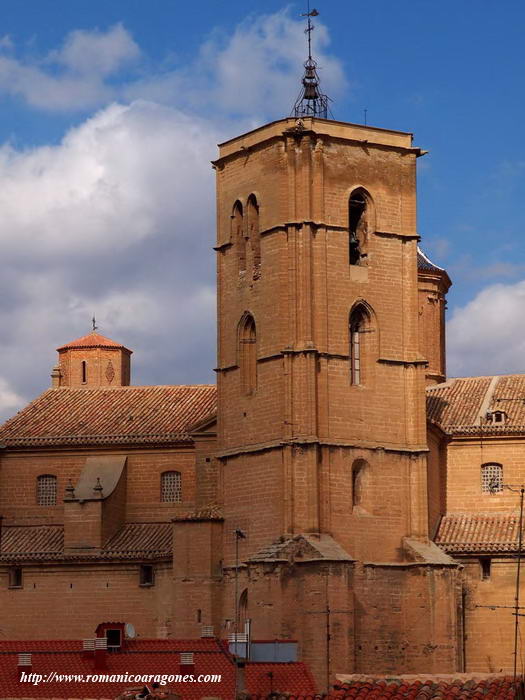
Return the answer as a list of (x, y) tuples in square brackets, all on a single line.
[(311, 102), (94, 323)]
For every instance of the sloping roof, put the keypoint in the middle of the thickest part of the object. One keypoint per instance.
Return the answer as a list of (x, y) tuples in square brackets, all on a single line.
[(480, 686), (209, 512), (142, 537), (92, 340), (456, 405), (46, 543), (110, 415), (482, 532), (424, 263), (24, 540), (153, 656), (302, 547)]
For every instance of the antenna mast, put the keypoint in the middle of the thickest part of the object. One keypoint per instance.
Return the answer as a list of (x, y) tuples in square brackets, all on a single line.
[(311, 102)]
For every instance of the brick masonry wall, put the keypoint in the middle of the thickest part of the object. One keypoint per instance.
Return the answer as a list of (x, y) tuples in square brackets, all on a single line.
[(19, 472), (68, 602), (464, 460), (489, 643)]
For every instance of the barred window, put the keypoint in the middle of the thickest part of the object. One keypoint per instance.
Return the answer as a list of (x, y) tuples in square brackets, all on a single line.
[(46, 490), (171, 487), (491, 478)]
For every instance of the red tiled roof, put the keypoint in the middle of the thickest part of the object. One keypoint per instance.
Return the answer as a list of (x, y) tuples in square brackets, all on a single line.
[(46, 542), (424, 263), (478, 533), (142, 537), (456, 405), (110, 415), (457, 402), (155, 656), (92, 340), (490, 687), (211, 512)]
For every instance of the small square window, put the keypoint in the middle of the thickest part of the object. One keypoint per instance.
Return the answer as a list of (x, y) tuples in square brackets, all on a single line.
[(484, 564), (114, 639), (15, 577), (147, 575)]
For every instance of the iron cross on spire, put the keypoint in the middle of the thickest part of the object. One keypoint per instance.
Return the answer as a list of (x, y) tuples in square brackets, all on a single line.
[(311, 101), (309, 29)]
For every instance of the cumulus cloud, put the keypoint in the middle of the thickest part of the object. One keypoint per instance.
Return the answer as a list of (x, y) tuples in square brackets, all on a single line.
[(254, 71), (487, 335), (72, 77), (118, 218), (120, 177)]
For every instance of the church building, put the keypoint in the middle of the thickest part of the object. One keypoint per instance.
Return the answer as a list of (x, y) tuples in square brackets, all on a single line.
[(334, 489)]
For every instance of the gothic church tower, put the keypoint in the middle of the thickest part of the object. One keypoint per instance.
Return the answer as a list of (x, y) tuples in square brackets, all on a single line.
[(321, 443)]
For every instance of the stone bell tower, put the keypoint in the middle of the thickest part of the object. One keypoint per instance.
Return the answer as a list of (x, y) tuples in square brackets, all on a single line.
[(321, 425), (321, 415)]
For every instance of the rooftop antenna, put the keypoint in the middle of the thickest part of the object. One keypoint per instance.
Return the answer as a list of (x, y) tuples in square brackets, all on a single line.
[(311, 102)]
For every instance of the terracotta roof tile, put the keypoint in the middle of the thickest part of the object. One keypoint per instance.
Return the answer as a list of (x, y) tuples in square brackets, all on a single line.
[(456, 405), (210, 512), (491, 687), (110, 415), (457, 402), (142, 537), (46, 542), (31, 539), (478, 533), (424, 263), (92, 340), (155, 656)]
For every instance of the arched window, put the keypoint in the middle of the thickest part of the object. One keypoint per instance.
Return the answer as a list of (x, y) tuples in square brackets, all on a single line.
[(243, 609), (83, 369), (491, 477), (171, 487), (46, 490), (358, 478), (358, 224), (248, 354), (359, 327), (238, 234), (252, 214)]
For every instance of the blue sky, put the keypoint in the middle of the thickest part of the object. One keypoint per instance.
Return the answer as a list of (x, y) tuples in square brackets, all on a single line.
[(99, 100)]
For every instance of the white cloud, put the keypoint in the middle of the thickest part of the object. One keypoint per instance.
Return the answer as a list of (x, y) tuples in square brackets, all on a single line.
[(101, 53), (115, 180), (487, 335), (255, 71), (118, 219), (73, 77)]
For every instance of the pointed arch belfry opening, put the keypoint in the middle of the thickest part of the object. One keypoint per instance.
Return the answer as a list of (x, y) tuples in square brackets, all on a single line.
[(360, 225), (362, 343), (248, 354), (252, 216), (237, 237)]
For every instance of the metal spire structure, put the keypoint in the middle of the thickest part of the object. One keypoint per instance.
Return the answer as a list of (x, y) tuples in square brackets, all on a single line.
[(311, 102)]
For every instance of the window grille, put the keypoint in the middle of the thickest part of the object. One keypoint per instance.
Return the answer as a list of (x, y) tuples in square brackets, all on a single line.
[(171, 487), (46, 490), (491, 478)]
